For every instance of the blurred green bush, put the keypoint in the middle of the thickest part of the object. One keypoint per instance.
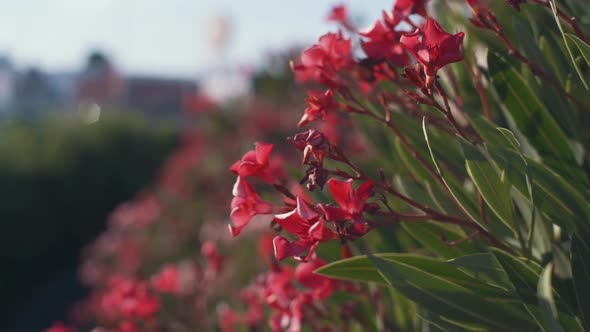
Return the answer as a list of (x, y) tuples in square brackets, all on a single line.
[(59, 179)]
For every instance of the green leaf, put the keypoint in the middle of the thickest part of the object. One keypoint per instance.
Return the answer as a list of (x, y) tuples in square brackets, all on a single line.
[(581, 45), (581, 274), (357, 268), (565, 40), (522, 273), (453, 189), (446, 297), (527, 111), (483, 265), (437, 323), (525, 275), (360, 268), (553, 195), (545, 295), (494, 189), (547, 190), (411, 163), (429, 234), (542, 233)]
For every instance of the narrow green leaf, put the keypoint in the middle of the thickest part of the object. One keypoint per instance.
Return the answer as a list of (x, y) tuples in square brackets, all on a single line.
[(360, 268), (483, 265), (542, 233), (553, 195), (522, 273), (442, 324), (565, 40), (529, 184), (448, 298), (494, 189), (581, 45), (453, 189), (545, 295), (510, 137), (357, 268), (527, 111), (430, 235)]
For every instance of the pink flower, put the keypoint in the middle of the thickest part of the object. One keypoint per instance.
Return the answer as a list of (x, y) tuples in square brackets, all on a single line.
[(245, 205), (214, 259), (318, 104), (322, 61), (167, 280), (351, 204), (304, 223), (312, 143), (339, 14), (228, 319), (128, 326), (129, 299), (408, 7), (383, 44), (256, 163), (255, 314), (402, 10), (435, 49), (322, 287)]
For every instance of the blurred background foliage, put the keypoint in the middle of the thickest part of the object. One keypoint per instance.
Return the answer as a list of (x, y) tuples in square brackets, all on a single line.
[(60, 178)]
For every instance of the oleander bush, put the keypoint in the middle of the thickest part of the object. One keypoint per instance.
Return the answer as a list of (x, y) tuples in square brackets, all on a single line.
[(439, 181)]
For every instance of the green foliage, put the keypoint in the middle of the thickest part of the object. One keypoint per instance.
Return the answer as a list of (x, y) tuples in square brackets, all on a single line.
[(59, 181), (518, 175)]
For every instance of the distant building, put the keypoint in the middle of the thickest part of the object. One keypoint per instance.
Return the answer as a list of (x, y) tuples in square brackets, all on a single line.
[(34, 93), (100, 82), (158, 96), (7, 84)]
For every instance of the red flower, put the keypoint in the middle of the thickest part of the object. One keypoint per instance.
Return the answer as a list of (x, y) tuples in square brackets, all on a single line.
[(339, 14), (322, 61), (167, 280), (278, 290), (318, 104), (227, 319), (322, 287), (256, 163), (128, 326), (407, 7), (214, 259), (129, 299), (383, 44), (255, 314), (312, 143), (245, 205), (436, 49), (402, 10), (304, 223), (352, 204)]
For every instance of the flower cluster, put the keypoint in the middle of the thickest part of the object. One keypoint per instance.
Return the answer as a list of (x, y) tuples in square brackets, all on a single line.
[(293, 295)]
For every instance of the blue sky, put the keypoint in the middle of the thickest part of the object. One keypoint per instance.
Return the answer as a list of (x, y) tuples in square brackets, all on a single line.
[(162, 37)]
